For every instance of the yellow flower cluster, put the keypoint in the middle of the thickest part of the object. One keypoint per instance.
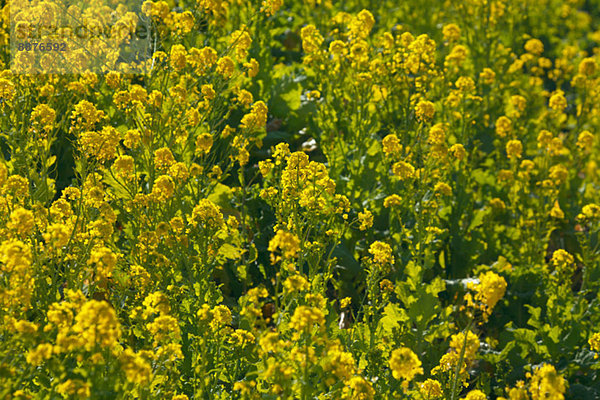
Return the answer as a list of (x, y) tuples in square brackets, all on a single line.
[(405, 364), (488, 292)]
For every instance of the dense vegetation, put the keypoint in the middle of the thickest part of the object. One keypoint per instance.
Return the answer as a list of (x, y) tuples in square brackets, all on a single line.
[(304, 199)]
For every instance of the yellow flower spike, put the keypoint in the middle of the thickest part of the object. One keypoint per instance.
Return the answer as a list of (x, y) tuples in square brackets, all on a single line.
[(557, 101), (405, 364), (534, 47), (285, 243), (366, 219), (381, 252), (451, 32), (547, 383), (475, 395), (514, 149), (430, 389), (424, 111), (504, 126)]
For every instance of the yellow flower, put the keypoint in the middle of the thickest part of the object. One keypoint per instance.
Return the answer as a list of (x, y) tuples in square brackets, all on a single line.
[(339, 362), (547, 384), (556, 211), (361, 25), (265, 167), (163, 158), (488, 76), (503, 126), (451, 32), (96, 324), (534, 46), (518, 103), (164, 329), (207, 215), (137, 369), (405, 364), (564, 264), (311, 39), (306, 318), (252, 68), (518, 392), (443, 188), (489, 291), (424, 111), (163, 188), (594, 342), (403, 170), (544, 138), (285, 243), (472, 345), (241, 42), (588, 66), (132, 138), (270, 7), (366, 219), (585, 140), (475, 395), (558, 102), (225, 67), (437, 134), (124, 166), (38, 355), (392, 201), (458, 151), (497, 204), (430, 389), (358, 388), (296, 283), (465, 84), (589, 212), (103, 260), (337, 48), (204, 143), (386, 285), (177, 57), (381, 252), (514, 149), (21, 221), (74, 388), (457, 55), (256, 119), (345, 302), (245, 98), (43, 116), (391, 145), (221, 316), (559, 174), (448, 362)]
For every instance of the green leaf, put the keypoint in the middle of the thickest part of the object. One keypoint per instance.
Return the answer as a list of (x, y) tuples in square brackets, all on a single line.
[(221, 195), (393, 316), (230, 252), (424, 309), (534, 320)]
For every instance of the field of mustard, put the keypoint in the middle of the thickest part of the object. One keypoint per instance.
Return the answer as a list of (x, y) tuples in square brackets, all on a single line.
[(300, 199)]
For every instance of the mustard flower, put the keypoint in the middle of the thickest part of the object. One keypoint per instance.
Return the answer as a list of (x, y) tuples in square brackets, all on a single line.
[(430, 389), (381, 252), (534, 46), (405, 364), (547, 383), (514, 149), (558, 102), (451, 32)]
